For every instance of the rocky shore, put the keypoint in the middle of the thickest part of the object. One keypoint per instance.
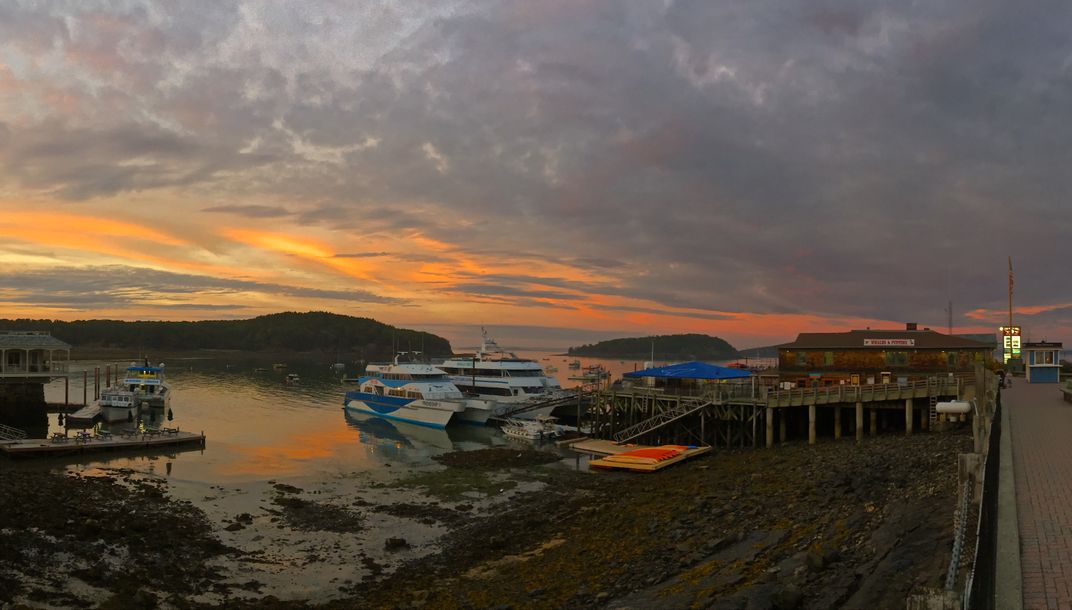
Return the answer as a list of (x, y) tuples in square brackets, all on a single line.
[(834, 525)]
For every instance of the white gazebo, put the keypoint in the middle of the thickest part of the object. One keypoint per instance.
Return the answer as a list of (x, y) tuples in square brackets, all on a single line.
[(32, 353)]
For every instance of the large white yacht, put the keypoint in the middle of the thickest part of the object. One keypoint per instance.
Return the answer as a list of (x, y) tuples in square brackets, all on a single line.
[(407, 391), (494, 374)]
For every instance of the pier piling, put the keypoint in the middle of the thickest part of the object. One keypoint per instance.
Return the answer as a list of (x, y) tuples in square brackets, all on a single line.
[(837, 423), (859, 421), (770, 427), (908, 415), (811, 424)]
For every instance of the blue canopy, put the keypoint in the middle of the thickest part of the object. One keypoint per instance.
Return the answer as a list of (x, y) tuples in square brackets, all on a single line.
[(691, 370)]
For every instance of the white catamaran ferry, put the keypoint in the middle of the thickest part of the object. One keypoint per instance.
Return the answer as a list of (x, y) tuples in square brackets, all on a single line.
[(496, 375), (407, 391)]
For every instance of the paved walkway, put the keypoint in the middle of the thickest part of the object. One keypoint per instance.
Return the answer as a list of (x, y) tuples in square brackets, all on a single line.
[(1042, 457)]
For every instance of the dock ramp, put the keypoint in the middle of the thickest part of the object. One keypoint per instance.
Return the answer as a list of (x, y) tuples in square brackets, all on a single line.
[(7, 433), (659, 420)]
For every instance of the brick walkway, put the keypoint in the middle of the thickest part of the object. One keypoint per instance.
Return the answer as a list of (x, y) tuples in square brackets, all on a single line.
[(1042, 458)]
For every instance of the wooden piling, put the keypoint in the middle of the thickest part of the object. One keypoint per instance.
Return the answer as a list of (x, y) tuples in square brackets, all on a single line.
[(874, 422), (770, 427), (811, 424), (85, 388), (837, 423), (859, 421), (908, 416)]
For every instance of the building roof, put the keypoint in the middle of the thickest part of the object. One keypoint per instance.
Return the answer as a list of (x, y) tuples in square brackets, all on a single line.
[(32, 339), (691, 370), (882, 340)]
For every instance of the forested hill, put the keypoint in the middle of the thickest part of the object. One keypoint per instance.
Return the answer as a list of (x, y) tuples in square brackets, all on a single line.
[(303, 332), (667, 347)]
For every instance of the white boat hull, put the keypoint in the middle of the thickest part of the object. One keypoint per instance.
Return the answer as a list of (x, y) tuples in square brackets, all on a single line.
[(111, 414), (477, 411), (432, 413)]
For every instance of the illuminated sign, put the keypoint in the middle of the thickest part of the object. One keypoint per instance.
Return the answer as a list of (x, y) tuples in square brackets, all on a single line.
[(1010, 345), (885, 342)]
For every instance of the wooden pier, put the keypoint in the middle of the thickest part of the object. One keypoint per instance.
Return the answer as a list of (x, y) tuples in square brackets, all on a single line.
[(741, 415), (86, 443)]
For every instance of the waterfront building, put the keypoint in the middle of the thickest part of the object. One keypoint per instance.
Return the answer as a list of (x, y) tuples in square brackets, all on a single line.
[(863, 357), (1042, 361), (31, 354), (28, 361)]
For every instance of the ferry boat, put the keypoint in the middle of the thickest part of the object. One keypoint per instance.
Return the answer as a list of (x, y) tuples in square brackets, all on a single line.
[(496, 375), (407, 391), (142, 386)]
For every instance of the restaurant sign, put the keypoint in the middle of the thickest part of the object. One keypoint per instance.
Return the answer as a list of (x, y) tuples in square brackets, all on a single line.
[(889, 342)]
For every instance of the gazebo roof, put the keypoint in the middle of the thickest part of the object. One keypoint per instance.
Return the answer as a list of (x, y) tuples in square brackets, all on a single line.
[(30, 340), (691, 370)]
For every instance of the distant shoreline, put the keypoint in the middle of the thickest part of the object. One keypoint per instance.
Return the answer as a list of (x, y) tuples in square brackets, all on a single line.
[(122, 354)]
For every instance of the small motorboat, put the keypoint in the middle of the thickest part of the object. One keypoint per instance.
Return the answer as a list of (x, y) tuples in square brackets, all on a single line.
[(292, 378), (539, 429)]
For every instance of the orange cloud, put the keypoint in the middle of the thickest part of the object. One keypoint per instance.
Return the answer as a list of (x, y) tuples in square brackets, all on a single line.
[(302, 248)]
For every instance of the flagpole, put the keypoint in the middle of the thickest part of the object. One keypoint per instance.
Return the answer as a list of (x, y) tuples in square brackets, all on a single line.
[(1010, 292)]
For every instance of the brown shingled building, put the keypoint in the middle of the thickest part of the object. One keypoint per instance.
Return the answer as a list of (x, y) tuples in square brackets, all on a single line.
[(876, 356)]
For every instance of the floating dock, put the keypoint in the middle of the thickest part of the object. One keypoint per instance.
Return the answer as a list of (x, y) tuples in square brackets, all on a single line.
[(609, 451), (648, 459), (84, 443)]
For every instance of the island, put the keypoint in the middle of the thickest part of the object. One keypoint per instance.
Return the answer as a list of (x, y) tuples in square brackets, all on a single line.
[(308, 332), (692, 346)]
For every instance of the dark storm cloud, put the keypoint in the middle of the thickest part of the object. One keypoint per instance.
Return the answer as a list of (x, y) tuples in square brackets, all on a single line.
[(249, 211), (499, 290), (872, 161), (119, 286)]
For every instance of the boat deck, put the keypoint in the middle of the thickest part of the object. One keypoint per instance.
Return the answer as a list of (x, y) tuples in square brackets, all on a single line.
[(85, 443)]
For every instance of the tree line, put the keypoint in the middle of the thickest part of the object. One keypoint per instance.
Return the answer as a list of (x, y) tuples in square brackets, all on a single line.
[(288, 331), (692, 346)]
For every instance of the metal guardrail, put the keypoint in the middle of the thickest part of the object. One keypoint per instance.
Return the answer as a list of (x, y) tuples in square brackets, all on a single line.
[(980, 587)]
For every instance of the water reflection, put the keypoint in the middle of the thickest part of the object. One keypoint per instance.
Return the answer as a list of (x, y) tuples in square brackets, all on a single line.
[(259, 427)]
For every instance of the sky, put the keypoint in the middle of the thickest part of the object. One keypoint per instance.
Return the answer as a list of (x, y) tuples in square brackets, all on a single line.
[(561, 171)]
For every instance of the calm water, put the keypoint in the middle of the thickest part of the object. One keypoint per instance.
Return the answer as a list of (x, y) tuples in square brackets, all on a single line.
[(259, 427)]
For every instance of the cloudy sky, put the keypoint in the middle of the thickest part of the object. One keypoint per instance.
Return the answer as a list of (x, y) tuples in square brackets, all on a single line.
[(562, 170)]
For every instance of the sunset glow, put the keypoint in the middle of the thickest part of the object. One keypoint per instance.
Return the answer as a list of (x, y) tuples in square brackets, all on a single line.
[(564, 187)]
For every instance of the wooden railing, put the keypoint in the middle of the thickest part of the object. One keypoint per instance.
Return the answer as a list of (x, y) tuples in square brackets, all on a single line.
[(741, 393)]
